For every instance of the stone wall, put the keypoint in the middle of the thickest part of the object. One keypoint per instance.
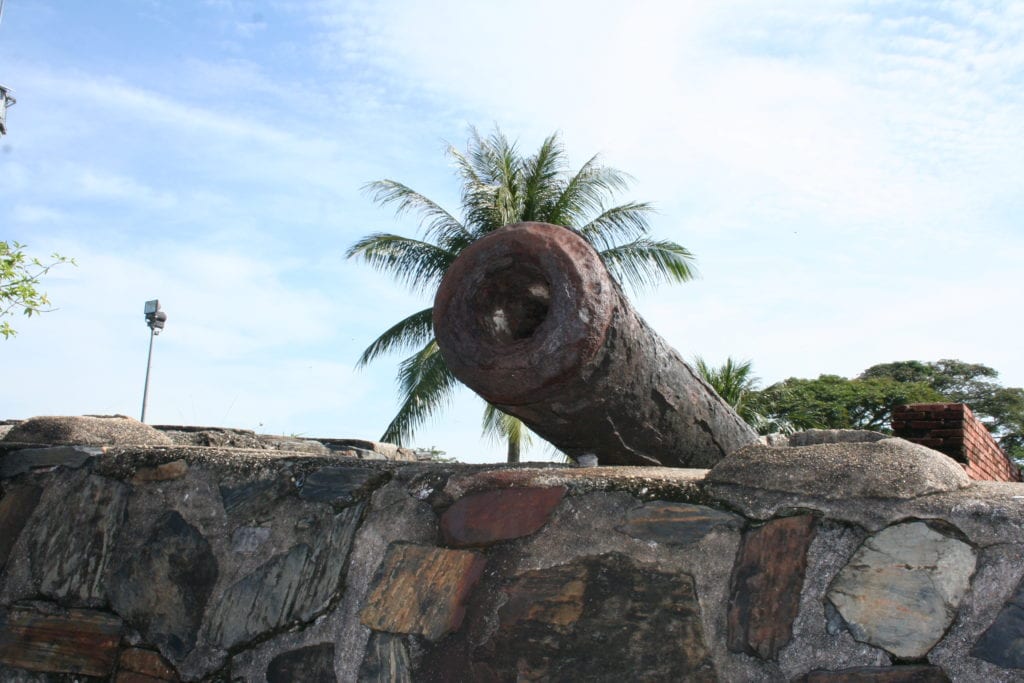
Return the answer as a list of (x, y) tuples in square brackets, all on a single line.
[(833, 562), (954, 430)]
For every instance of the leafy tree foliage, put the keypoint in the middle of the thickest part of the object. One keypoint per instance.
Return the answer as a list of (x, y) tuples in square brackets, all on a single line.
[(1000, 408), (834, 402), (500, 185), (19, 283)]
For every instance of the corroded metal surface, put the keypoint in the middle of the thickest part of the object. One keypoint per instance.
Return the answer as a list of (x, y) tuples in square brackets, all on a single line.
[(531, 320)]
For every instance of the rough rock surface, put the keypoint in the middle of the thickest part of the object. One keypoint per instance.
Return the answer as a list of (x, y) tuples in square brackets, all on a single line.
[(422, 590), (766, 583), (77, 641), (163, 589), (68, 564), (889, 468), (901, 589), (312, 664), (491, 516), (1003, 641), (600, 619), (813, 437), (87, 430), (676, 523)]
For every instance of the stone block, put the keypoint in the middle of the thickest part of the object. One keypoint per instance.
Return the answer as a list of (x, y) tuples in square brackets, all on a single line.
[(902, 587), (76, 641), (163, 589), (386, 660), (15, 508), (339, 486), (71, 545), (1002, 643), (310, 664), (767, 578), (675, 523), (423, 590), (165, 472), (27, 459), (487, 517), (603, 618), (143, 666)]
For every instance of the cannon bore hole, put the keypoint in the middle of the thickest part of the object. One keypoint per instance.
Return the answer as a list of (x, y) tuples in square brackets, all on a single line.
[(512, 304)]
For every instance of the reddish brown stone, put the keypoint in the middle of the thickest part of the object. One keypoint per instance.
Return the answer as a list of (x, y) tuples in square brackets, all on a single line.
[(78, 641), (480, 519), (15, 508), (139, 666), (420, 589), (879, 674), (766, 584), (604, 618)]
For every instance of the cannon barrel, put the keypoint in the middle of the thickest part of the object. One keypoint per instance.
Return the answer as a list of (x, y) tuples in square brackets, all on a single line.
[(530, 319)]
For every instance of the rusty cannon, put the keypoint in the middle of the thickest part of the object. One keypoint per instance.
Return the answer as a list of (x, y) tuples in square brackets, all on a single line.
[(530, 319)]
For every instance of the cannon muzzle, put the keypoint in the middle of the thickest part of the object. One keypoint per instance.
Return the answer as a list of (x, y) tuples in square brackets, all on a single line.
[(529, 318)]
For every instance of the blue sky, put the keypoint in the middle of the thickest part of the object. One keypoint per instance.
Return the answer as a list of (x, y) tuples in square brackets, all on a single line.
[(848, 174)]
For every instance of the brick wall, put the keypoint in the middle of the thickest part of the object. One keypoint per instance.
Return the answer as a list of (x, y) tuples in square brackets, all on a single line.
[(951, 428)]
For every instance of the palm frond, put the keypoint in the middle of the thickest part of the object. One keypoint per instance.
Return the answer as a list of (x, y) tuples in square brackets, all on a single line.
[(623, 222), (426, 384), (414, 330), (645, 262), (541, 173), (586, 193), (435, 221), (415, 263), (499, 426)]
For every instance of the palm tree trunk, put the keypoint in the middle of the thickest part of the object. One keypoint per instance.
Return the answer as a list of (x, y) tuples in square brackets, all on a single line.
[(513, 450)]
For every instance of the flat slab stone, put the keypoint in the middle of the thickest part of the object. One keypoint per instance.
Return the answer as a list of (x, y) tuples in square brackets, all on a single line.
[(289, 588), (766, 582), (310, 664), (87, 430), (1002, 643), (71, 545), (423, 590), (386, 660), (901, 589), (163, 589), (879, 674), (339, 485), (487, 517), (599, 618), (889, 468), (78, 641), (676, 523), (28, 459)]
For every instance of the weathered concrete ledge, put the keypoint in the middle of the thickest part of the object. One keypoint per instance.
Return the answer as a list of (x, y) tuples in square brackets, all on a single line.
[(196, 563)]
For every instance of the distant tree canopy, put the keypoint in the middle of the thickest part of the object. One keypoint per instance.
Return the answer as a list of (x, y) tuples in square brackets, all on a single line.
[(867, 401)]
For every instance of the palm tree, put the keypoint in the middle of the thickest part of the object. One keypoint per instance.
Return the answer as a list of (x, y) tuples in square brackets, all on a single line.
[(735, 382), (501, 186)]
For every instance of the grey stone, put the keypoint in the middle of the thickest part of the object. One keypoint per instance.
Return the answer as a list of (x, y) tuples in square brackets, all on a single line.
[(221, 437), (71, 544), (162, 590), (87, 430), (15, 508), (311, 664), (27, 459), (386, 660), (248, 539), (339, 485), (813, 437), (253, 500), (889, 468), (901, 589), (1002, 643), (676, 523), (292, 587)]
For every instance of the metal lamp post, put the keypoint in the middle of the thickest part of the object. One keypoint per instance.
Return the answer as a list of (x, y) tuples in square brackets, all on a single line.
[(155, 319)]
